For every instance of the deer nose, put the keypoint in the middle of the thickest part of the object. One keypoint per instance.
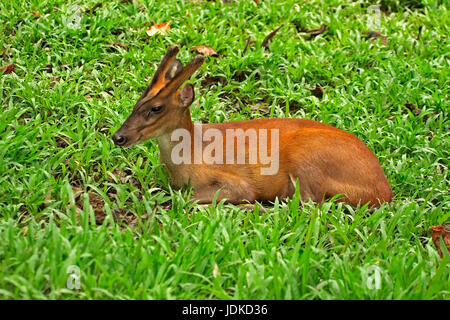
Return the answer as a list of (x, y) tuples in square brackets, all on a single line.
[(119, 140)]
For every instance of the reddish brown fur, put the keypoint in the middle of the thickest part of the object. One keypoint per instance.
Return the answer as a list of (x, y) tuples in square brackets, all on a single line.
[(326, 161)]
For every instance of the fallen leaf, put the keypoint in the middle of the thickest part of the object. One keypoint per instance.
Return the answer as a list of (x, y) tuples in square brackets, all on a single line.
[(46, 200), (49, 68), (161, 28), (419, 33), (118, 44), (10, 68), (94, 9), (61, 142), (4, 55), (123, 215), (294, 105), (36, 14), (260, 107), (48, 196), (436, 233), (55, 80), (256, 1), (117, 31), (446, 226), (299, 26), (248, 42), (413, 108), (210, 81), (205, 50), (317, 91), (315, 32), (97, 203), (424, 238), (241, 75), (78, 191), (265, 43), (120, 175), (370, 34)]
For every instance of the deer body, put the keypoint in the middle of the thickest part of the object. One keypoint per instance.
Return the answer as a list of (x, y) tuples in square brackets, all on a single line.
[(325, 160)]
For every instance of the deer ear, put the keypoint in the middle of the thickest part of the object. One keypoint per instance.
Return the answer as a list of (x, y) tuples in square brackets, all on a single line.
[(187, 95)]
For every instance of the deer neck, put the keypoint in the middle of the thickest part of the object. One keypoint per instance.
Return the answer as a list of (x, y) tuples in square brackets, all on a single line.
[(165, 142)]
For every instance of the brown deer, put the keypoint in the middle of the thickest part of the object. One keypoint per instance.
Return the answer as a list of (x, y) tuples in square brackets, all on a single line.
[(232, 160)]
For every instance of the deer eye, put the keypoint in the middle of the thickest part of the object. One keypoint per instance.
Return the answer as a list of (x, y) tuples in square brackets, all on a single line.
[(155, 110)]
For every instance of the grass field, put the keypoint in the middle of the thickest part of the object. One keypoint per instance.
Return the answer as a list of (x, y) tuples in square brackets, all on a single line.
[(69, 197)]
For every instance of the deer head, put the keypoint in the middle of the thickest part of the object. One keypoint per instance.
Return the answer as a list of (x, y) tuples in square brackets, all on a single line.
[(163, 104)]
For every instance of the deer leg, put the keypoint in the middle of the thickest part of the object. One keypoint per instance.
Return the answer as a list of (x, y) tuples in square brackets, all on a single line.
[(234, 190)]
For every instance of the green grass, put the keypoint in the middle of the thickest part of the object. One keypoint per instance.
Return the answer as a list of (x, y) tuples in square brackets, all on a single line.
[(61, 175)]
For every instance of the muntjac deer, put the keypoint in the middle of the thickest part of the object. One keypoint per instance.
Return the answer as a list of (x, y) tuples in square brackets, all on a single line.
[(254, 160)]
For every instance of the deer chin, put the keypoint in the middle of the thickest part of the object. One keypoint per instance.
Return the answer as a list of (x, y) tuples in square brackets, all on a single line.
[(141, 138)]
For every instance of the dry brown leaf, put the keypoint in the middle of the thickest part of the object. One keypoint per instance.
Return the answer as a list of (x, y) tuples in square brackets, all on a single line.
[(205, 50), (316, 32), (370, 34), (413, 108), (317, 91), (210, 81), (417, 111), (161, 28), (46, 200), (36, 14), (118, 44), (94, 8), (10, 68), (240, 75), (436, 233), (97, 204), (4, 55), (265, 43), (260, 107), (419, 33), (78, 191), (48, 196), (248, 42), (49, 68), (120, 175), (61, 142)]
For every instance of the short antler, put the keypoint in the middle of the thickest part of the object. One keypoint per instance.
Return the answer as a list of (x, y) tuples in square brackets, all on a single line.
[(159, 80), (184, 74), (165, 64)]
